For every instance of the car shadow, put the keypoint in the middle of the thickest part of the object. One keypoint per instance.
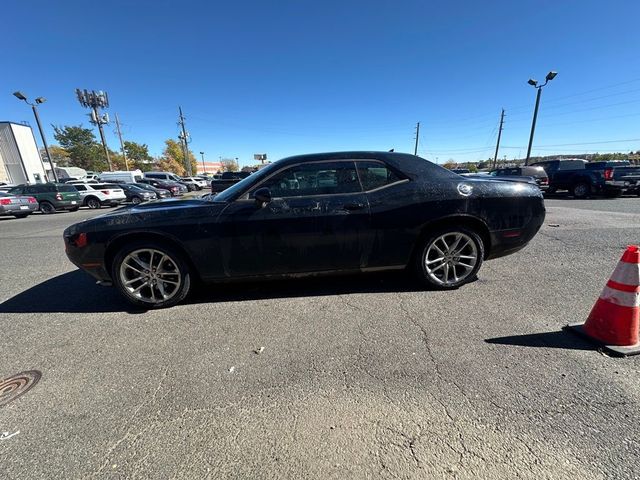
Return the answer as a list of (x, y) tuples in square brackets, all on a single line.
[(76, 292), (558, 339)]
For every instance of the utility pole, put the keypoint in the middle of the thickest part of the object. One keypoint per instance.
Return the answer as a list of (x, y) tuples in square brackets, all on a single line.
[(415, 149), (94, 100), (184, 137), (124, 154), (495, 157), (204, 169)]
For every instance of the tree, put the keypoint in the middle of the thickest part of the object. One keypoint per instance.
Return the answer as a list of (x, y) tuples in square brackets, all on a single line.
[(230, 165), (138, 156), (450, 164), (173, 156), (59, 156), (81, 146)]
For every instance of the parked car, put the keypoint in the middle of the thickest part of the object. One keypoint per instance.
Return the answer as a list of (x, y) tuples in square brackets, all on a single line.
[(579, 178), (96, 195), (125, 176), (382, 210), (169, 177), (537, 173), (51, 196), (196, 182), (160, 192), (176, 189), (460, 171), (18, 206), (136, 194), (226, 180)]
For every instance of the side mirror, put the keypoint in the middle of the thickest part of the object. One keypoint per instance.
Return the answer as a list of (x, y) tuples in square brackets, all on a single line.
[(262, 196)]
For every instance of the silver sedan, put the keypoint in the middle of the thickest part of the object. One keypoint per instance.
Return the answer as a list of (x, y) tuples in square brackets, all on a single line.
[(19, 206)]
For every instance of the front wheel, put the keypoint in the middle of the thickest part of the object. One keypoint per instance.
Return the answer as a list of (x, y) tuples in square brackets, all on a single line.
[(136, 200), (151, 275), (449, 258)]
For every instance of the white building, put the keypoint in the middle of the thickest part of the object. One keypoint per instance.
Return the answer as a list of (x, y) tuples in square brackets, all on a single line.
[(19, 157)]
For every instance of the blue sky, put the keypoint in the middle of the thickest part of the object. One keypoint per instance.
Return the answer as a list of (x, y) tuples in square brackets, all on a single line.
[(288, 77)]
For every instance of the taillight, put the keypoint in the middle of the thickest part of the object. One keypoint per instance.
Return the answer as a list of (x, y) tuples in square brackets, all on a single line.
[(106, 192), (608, 173), (79, 240), (32, 200), (5, 201), (544, 180), (58, 196)]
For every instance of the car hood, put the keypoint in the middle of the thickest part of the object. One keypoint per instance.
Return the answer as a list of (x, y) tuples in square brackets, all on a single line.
[(149, 213)]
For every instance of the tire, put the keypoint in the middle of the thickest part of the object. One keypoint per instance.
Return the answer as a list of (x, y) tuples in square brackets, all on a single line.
[(442, 250), (581, 190), (136, 200), (177, 275), (47, 207), (93, 203), (22, 215)]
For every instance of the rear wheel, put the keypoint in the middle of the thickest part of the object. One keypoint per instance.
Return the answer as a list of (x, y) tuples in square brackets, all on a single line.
[(47, 207), (581, 190), (449, 258), (151, 275), (93, 203)]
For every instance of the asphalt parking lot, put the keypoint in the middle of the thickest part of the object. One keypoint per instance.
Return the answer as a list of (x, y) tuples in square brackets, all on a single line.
[(351, 377)]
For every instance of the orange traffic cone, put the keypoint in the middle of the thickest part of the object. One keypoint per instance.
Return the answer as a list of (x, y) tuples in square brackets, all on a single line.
[(614, 320)]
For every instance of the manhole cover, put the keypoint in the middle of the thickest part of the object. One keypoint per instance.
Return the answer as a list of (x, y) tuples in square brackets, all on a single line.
[(12, 387)]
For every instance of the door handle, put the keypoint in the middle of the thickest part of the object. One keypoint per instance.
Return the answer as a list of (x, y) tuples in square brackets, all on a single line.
[(353, 206)]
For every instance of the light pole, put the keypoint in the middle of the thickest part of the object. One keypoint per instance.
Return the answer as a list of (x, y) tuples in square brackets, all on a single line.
[(204, 170), (39, 100), (534, 83)]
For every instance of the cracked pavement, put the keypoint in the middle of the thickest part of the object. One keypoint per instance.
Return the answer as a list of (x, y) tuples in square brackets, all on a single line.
[(360, 376)]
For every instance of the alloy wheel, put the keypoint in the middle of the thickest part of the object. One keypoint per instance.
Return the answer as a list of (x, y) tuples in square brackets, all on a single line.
[(451, 258), (150, 276)]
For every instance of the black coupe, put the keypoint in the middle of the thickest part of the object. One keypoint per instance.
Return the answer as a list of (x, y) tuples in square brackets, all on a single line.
[(311, 214)]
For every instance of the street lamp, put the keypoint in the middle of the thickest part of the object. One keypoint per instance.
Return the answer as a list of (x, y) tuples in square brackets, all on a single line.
[(204, 170), (40, 100), (534, 83)]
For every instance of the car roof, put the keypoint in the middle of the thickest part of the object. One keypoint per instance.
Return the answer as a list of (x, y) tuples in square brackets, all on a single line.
[(406, 163)]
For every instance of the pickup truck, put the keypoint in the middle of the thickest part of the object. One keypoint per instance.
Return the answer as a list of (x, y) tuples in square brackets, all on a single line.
[(627, 178), (226, 180), (581, 178)]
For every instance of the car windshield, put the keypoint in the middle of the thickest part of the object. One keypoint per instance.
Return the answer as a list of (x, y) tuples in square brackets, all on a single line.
[(231, 192), (67, 188)]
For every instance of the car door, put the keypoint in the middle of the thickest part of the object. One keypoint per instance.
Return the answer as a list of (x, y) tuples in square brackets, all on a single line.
[(317, 220), (391, 202)]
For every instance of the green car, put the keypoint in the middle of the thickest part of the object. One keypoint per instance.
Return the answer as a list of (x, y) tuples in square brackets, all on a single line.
[(51, 196)]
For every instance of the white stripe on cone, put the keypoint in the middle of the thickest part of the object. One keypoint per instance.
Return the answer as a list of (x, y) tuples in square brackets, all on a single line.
[(627, 273), (624, 299)]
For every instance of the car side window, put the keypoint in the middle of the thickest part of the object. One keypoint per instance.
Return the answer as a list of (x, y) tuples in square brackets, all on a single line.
[(313, 179), (16, 190), (80, 188), (30, 190), (375, 175)]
